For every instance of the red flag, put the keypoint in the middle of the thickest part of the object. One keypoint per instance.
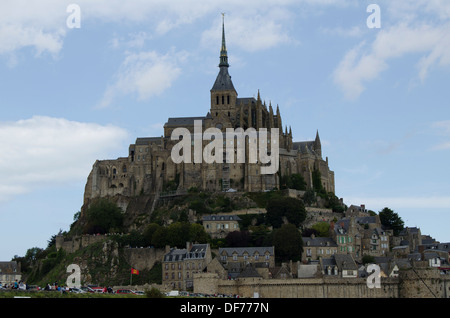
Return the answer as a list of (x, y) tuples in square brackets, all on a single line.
[(134, 271)]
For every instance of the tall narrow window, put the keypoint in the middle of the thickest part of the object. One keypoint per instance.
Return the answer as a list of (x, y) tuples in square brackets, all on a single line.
[(228, 99), (217, 100), (223, 99)]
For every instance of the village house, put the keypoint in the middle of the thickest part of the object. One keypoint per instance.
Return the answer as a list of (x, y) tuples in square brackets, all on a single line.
[(315, 247), (219, 225), (180, 265), (236, 259), (10, 272)]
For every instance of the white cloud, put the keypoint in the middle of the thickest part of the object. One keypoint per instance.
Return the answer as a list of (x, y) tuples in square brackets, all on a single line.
[(144, 74), (352, 32), (41, 24), (45, 150), (411, 36), (252, 33)]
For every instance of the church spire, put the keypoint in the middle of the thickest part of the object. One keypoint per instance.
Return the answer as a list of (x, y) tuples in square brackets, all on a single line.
[(223, 49)]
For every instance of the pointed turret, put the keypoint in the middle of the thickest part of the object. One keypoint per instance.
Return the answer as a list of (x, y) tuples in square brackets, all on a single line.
[(223, 80), (223, 93), (223, 49), (271, 124), (318, 145)]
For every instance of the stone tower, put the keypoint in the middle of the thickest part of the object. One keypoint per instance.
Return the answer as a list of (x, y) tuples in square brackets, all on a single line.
[(223, 93)]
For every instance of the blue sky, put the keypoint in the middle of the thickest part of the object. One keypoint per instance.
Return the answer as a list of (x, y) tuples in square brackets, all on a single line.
[(379, 97)]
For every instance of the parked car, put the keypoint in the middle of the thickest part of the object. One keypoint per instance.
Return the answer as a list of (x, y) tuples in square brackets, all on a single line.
[(99, 289), (124, 291), (78, 290), (87, 289)]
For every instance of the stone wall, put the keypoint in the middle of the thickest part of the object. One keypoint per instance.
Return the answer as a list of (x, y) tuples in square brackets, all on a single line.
[(408, 286), (295, 288), (72, 245), (143, 258), (424, 283)]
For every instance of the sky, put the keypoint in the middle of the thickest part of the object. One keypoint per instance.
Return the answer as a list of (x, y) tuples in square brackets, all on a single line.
[(81, 80)]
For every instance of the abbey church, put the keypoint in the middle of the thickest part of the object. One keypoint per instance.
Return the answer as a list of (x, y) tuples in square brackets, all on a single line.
[(149, 169)]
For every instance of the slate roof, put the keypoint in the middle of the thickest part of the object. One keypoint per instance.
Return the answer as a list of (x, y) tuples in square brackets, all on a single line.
[(305, 147), (175, 255), (147, 140), (318, 241), (438, 246), (249, 271), (223, 81), (250, 250), (179, 254), (245, 100), (220, 217), (182, 121), (345, 262)]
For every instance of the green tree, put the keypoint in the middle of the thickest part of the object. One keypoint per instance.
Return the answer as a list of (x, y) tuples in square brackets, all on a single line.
[(293, 181), (291, 209), (317, 183), (334, 203), (297, 182), (103, 216), (154, 293), (391, 220), (159, 237), (238, 239), (178, 234), (197, 233), (322, 229), (309, 197), (149, 230), (288, 243)]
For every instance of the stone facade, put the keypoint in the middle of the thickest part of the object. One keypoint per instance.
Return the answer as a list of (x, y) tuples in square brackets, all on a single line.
[(425, 283), (180, 265), (219, 225), (10, 272), (149, 168), (237, 259), (361, 235)]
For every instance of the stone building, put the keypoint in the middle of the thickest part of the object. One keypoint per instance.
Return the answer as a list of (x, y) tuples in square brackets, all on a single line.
[(361, 236), (180, 265), (149, 167), (218, 225), (237, 259), (315, 247), (10, 272)]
